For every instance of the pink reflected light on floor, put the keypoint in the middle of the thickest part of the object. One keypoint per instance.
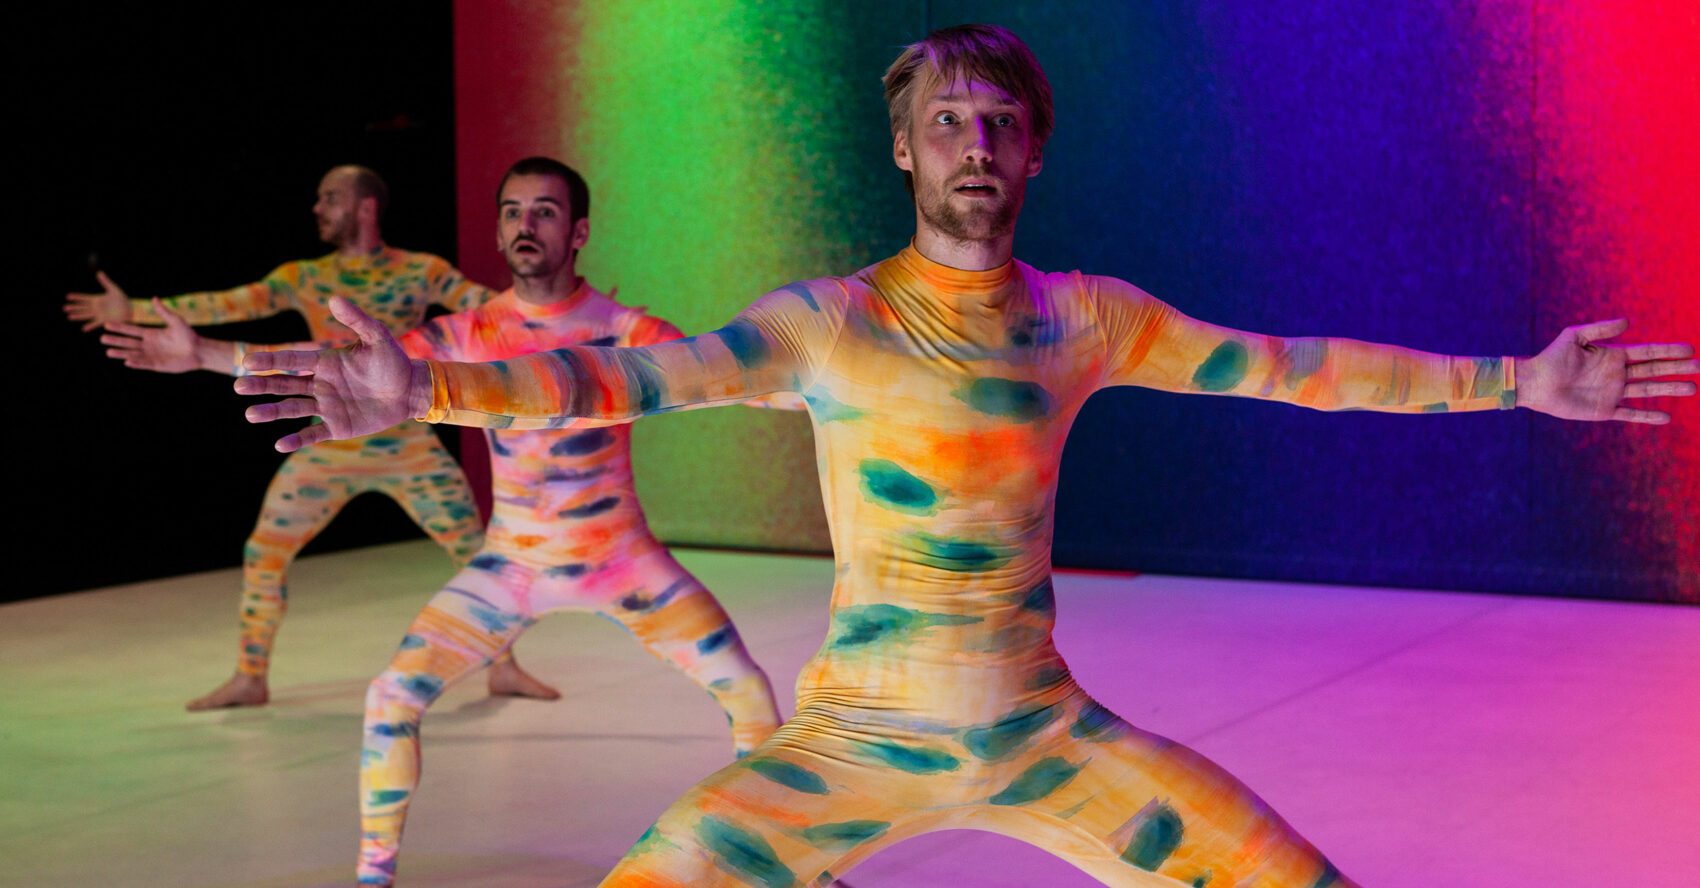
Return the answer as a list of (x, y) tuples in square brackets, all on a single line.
[(1418, 738)]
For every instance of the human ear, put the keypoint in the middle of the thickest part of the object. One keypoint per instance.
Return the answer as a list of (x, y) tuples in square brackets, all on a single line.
[(1035, 162), (900, 151), (581, 232)]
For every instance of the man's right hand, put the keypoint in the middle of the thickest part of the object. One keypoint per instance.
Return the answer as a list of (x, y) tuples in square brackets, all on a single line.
[(173, 348), (358, 390), (110, 306)]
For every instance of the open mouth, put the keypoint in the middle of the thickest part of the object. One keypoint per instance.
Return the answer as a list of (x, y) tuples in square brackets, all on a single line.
[(527, 247), (977, 189)]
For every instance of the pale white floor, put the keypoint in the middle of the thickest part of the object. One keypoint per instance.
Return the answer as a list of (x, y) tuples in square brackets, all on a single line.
[(1419, 738)]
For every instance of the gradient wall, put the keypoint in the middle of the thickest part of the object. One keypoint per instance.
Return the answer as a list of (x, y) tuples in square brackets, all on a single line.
[(1463, 177)]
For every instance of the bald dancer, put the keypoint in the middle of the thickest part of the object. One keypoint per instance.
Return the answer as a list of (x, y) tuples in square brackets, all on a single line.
[(941, 383), (406, 463)]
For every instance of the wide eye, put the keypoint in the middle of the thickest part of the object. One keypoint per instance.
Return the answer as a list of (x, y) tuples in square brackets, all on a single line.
[(946, 118), (1004, 120)]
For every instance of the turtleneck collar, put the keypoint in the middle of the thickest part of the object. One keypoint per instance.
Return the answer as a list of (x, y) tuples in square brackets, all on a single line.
[(956, 280)]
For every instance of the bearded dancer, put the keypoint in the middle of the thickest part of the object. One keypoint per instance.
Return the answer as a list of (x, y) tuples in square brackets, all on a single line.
[(566, 532), (941, 384), (406, 463)]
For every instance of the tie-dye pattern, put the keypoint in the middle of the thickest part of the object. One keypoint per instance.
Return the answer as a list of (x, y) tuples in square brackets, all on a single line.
[(566, 533), (405, 463), (940, 400)]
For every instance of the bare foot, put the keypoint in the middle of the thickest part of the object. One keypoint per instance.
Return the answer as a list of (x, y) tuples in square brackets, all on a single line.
[(241, 690), (506, 679)]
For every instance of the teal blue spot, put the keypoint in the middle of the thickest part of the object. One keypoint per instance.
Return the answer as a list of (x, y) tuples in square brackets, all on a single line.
[(1330, 876), (802, 292), (350, 279), (1156, 837), (887, 482), (1002, 737), (743, 853), (386, 796), (886, 623), (314, 492), (745, 342), (1224, 369), (411, 642), (460, 511), (913, 759), (1097, 724), (1042, 599), (1436, 407), (1203, 880), (848, 832), (825, 408), (1490, 377), (1017, 400), (426, 687), (796, 777), (383, 442), (958, 556), (1039, 780)]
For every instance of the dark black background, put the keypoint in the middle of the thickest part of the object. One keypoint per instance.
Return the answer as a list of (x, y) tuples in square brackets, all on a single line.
[(180, 150)]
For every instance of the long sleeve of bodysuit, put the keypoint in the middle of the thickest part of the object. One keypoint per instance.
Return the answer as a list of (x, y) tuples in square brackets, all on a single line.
[(270, 295), (1148, 343), (775, 345)]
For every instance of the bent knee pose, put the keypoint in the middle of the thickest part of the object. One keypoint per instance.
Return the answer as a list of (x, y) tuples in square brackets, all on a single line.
[(566, 531), (405, 463), (941, 384)]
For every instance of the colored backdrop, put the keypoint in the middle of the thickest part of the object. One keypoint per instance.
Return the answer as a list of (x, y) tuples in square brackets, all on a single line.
[(1464, 176)]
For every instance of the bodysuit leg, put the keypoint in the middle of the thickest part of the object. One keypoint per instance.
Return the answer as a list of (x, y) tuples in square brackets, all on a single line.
[(311, 487), (831, 788), (675, 618), (462, 629), (430, 486), (302, 498)]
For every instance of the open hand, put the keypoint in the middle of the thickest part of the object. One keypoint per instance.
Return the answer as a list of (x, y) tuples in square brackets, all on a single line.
[(1576, 377), (110, 306), (358, 390), (168, 349)]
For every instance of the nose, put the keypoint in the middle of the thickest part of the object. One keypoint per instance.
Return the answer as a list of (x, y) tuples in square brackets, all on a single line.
[(979, 149)]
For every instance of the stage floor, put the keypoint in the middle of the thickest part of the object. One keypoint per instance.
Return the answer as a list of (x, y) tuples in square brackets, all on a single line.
[(1418, 738)]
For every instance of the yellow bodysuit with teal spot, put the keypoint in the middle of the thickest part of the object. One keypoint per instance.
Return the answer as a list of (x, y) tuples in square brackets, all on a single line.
[(406, 463), (940, 401)]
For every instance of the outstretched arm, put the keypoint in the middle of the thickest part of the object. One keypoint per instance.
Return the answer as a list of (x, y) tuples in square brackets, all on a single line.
[(1151, 344), (771, 346), (263, 298), (177, 348)]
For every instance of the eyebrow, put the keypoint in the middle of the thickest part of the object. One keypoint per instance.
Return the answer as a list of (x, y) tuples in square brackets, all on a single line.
[(999, 95), (515, 201)]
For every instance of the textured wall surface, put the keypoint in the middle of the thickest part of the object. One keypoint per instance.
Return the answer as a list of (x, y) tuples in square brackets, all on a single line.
[(1463, 177)]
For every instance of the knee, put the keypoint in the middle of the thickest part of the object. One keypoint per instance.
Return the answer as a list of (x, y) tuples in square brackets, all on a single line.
[(396, 695)]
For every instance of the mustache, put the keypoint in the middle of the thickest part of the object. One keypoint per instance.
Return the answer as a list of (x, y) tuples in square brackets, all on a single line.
[(972, 172), (524, 240)]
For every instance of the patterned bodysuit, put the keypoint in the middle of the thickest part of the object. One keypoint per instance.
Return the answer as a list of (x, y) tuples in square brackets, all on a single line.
[(940, 400), (405, 463), (566, 532)]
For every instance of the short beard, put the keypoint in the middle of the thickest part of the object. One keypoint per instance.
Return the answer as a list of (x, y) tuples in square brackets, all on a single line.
[(968, 227), (987, 224)]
